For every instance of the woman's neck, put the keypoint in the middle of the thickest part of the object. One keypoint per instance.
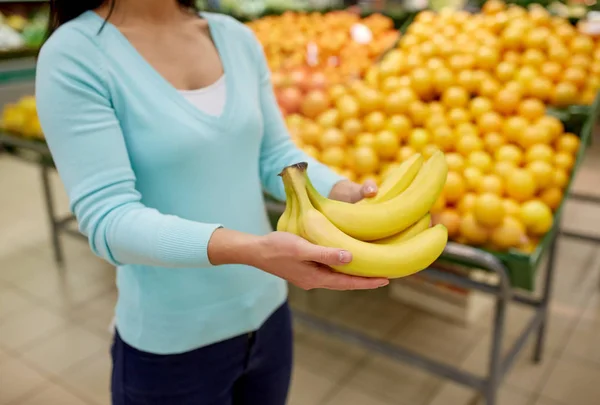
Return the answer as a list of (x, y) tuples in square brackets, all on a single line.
[(155, 12)]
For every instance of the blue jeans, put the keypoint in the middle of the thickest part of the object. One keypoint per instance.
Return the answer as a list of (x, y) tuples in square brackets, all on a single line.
[(252, 369)]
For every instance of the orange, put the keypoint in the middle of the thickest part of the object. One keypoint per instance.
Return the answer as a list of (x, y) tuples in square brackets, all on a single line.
[(492, 141), (582, 44), (552, 71), (429, 150), (333, 156), (568, 143), (539, 152), (575, 75), (468, 143), (400, 125), (511, 207), (455, 97), (442, 80), (505, 71), (565, 93), (553, 124), (332, 137), (489, 88), (386, 144), (421, 82), (365, 160), (534, 134), (439, 205), (369, 99), (466, 203), (513, 127), (537, 217), (490, 122), (444, 138), (418, 138), (503, 168), (542, 172), (351, 128), (455, 161), (481, 160), (467, 80), (365, 139), (488, 209), (564, 160), (310, 133), (467, 128), (311, 151), (418, 112), (474, 233), (552, 197), (454, 188), (509, 234), (540, 88), (473, 177), (347, 107), (404, 153), (458, 116), (531, 109), (451, 220), (533, 57), (561, 178), (374, 121), (436, 120), (520, 185), (506, 101), (479, 106)]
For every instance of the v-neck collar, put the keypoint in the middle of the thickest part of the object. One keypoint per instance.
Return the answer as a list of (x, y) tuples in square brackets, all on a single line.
[(173, 92)]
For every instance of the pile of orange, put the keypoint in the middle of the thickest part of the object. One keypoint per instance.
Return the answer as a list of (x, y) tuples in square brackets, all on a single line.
[(509, 161), (324, 41)]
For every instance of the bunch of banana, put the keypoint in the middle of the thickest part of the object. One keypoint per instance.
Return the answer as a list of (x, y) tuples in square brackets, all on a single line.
[(388, 235)]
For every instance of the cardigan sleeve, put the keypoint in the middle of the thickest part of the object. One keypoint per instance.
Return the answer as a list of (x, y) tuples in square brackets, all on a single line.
[(277, 149), (88, 148)]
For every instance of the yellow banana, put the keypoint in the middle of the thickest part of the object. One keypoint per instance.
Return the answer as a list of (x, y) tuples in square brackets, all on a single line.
[(294, 214), (413, 230), (368, 259), (284, 219), (397, 180), (370, 222)]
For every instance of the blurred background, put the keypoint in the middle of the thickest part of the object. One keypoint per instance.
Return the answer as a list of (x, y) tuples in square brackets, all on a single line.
[(509, 315)]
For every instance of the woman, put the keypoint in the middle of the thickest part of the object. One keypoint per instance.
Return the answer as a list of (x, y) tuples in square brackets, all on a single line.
[(164, 129)]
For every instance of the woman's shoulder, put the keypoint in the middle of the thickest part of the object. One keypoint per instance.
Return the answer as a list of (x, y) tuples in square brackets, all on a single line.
[(79, 36), (229, 24)]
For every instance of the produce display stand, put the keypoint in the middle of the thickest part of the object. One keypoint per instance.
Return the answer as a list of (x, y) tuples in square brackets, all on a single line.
[(514, 271)]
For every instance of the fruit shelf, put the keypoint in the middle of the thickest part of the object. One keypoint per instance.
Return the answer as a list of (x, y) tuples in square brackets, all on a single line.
[(522, 267)]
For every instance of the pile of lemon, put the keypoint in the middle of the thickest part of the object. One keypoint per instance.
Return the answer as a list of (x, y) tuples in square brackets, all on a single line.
[(462, 84), (21, 119)]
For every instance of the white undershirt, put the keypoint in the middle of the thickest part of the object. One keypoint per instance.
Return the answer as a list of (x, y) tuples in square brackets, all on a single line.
[(210, 99)]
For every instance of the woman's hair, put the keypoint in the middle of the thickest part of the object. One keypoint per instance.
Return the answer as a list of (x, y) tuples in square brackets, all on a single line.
[(63, 11)]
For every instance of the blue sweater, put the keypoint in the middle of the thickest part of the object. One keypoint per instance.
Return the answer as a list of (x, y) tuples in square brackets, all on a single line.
[(150, 177)]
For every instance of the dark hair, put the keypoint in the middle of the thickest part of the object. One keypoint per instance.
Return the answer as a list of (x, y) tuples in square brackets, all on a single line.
[(63, 11)]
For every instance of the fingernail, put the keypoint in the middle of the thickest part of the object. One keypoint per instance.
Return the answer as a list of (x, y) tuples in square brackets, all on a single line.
[(370, 189), (345, 256), (383, 284)]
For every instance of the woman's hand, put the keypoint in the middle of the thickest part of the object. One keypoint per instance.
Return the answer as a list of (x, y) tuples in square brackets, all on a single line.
[(307, 265), (289, 257), (351, 192)]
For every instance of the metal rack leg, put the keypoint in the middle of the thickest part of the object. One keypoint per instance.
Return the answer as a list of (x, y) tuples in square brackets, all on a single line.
[(495, 364), (54, 226), (545, 301)]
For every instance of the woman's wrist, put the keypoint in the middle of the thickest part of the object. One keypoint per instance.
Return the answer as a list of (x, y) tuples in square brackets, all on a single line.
[(227, 246)]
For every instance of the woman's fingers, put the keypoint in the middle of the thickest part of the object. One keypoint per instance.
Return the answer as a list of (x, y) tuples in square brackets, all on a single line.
[(325, 255), (338, 281), (369, 189)]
